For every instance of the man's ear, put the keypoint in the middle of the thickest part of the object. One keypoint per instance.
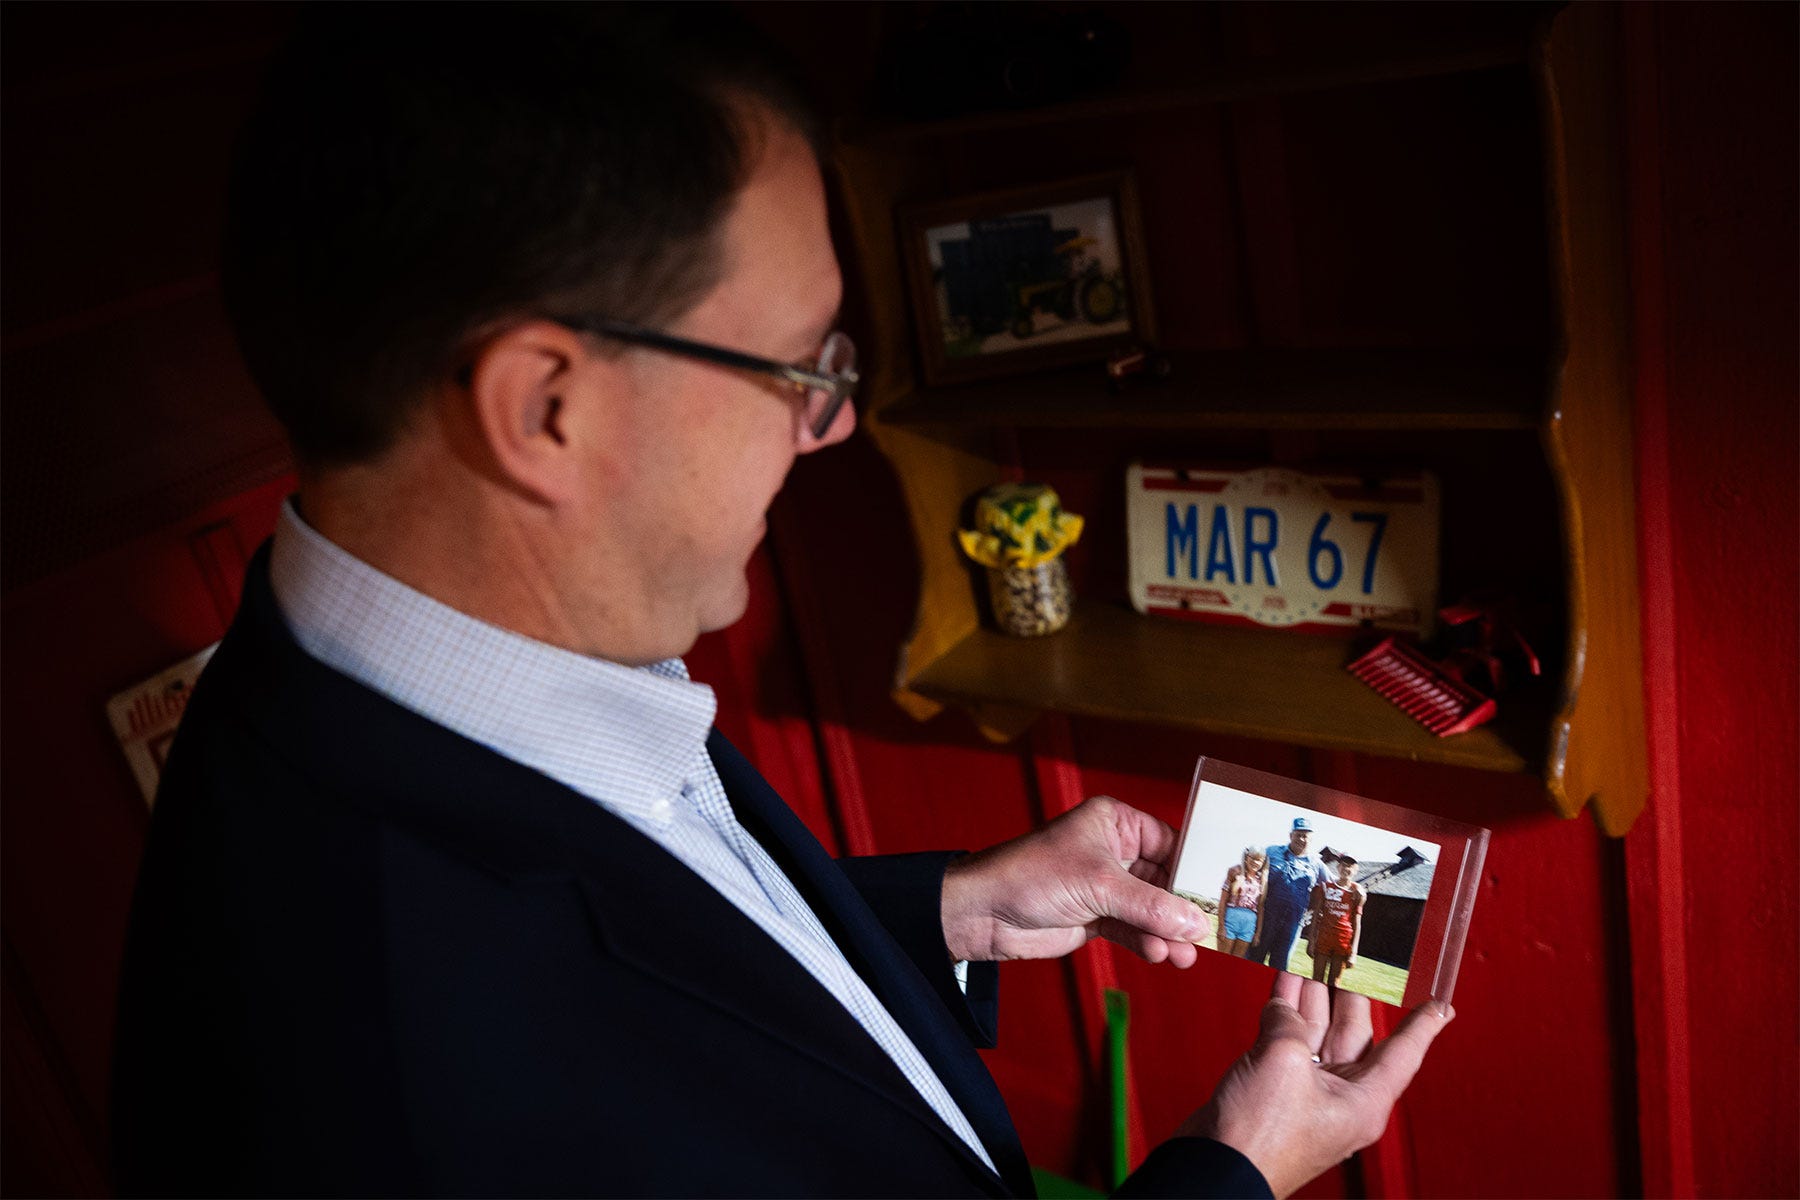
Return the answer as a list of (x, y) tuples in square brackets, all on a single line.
[(520, 388)]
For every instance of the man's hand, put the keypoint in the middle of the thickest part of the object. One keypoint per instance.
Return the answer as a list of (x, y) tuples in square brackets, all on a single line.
[(1098, 870), (1295, 1117)]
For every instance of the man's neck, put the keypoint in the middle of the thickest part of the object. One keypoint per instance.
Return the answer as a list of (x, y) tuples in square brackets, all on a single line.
[(452, 543), (431, 517)]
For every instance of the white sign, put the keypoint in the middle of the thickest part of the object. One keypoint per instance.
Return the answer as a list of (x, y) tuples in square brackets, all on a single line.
[(144, 718), (1278, 547)]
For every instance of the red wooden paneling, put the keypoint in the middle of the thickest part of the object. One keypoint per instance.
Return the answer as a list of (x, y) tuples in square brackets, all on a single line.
[(1713, 162), (1654, 854), (137, 470), (73, 820)]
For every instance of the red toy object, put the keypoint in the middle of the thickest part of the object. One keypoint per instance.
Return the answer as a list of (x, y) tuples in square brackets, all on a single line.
[(1421, 689), (1138, 360), (1495, 632)]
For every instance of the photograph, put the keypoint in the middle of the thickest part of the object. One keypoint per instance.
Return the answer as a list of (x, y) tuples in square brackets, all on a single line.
[(1300, 885), (1027, 278)]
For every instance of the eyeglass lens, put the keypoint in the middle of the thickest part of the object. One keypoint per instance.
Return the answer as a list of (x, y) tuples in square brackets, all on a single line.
[(836, 357)]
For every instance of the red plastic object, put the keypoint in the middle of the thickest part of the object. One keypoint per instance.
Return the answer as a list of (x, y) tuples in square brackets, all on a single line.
[(1496, 629), (1421, 689)]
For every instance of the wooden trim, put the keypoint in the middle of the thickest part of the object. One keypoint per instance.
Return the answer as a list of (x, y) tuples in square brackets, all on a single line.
[(1596, 744), (1261, 76), (1653, 853)]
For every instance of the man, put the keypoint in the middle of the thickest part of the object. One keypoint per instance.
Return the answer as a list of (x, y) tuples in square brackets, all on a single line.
[(449, 888), (1292, 874)]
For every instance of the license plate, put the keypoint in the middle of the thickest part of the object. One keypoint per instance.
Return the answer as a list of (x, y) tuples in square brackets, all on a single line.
[(1278, 547)]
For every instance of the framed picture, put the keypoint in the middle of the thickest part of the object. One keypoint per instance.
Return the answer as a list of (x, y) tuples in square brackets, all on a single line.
[(1360, 895), (1027, 278)]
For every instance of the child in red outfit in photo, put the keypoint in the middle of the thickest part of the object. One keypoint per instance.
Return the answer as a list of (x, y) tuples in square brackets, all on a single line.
[(1337, 907)]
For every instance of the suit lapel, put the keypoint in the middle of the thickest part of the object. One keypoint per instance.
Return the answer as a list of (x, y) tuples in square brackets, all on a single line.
[(702, 945), (884, 966)]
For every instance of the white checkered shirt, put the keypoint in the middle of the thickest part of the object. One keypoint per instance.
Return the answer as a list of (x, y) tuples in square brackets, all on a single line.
[(633, 740)]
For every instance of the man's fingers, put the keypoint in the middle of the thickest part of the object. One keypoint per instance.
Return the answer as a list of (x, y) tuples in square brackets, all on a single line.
[(1140, 834), (1280, 1019), (1147, 947), (1122, 933), (1283, 1015), (1315, 1009), (1162, 914), (1154, 874), (1392, 1064), (1351, 1029), (1183, 954)]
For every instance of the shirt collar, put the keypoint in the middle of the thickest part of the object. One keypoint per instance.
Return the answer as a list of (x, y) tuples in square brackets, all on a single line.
[(628, 737)]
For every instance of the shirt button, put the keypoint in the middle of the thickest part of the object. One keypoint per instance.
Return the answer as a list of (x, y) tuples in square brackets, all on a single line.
[(661, 809)]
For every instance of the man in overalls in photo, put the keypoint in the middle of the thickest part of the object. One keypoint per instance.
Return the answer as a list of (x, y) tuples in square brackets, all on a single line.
[(1292, 874)]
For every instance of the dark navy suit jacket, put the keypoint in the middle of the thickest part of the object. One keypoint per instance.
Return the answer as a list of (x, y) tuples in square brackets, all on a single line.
[(369, 956)]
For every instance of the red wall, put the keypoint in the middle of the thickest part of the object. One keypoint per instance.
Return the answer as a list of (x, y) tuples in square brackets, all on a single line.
[(1712, 168), (1628, 1009)]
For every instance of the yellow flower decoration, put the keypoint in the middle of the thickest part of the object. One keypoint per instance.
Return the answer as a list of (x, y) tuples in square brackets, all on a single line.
[(1019, 525)]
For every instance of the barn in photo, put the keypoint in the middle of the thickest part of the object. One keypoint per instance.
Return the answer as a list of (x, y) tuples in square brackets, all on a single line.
[(1395, 904)]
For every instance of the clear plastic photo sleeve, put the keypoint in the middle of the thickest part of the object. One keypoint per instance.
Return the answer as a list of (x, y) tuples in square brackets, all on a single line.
[(1366, 896)]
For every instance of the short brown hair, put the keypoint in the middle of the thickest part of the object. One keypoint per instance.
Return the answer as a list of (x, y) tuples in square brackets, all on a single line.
[(415, 174)]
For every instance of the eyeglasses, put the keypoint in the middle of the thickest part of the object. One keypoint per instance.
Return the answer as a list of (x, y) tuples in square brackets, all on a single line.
[(827, 383)]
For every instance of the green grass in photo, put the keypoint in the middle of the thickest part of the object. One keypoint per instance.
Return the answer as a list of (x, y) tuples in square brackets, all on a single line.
[(1369, 976), (1208, 903), (1375, 979)]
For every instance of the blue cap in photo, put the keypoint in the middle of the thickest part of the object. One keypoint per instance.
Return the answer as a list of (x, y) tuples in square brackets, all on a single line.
[(1300, 823)]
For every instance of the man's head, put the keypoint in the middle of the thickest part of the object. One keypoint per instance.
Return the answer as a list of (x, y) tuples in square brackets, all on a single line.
[(1346, 868), (432, 211), (1300, 836), (415, 177)]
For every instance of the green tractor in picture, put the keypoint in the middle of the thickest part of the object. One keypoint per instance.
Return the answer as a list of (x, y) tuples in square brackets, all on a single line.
[(1013, 269), (1081, 292)]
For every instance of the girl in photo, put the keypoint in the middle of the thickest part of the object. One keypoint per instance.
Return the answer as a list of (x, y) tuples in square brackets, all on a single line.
[(1240, 902)]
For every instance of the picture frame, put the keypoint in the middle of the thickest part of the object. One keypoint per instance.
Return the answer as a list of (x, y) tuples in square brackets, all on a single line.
[(1027, 278), (1390, 891)]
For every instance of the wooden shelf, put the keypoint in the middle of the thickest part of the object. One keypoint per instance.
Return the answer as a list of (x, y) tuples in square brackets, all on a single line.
[(1280, 686), (1224, 82), (1260, 389), (1547, 422)]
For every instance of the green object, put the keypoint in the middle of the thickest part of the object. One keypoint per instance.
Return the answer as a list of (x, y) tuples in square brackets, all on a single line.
[(1118, 1030), (1051, 1186)]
